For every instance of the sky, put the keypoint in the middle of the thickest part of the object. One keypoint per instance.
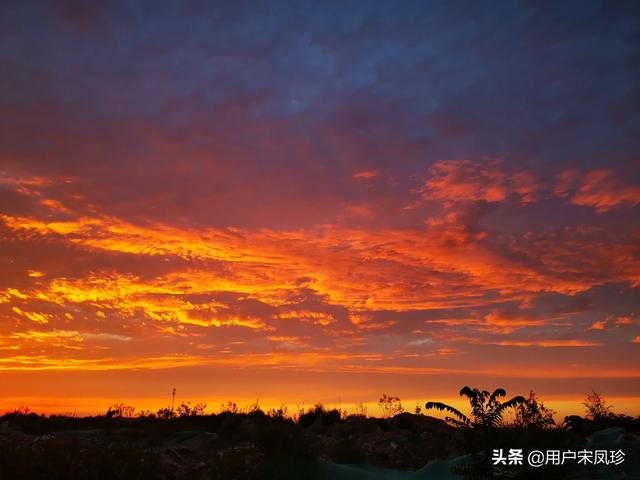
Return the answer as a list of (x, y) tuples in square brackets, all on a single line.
[(318, 201)]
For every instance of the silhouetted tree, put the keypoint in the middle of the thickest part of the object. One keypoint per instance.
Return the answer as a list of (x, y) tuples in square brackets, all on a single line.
[(486, 408), (596, 406), (533, 414)]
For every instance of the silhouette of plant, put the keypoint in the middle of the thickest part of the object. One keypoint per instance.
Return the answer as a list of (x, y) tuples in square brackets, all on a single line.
[(596, 406), (280, 412), (574, 422), (486, 408), (229, 407), (254, 408), (533, 414), (186, 410), (390, 405), (120, 410), (318, 414), (360, 410), (166, 413)]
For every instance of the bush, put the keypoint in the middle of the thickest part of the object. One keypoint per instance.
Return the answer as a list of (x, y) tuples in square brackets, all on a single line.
[(120, 410), (166, 413), (390, 405), (533, 414), (186, 410), (596, 407), (319, 414)]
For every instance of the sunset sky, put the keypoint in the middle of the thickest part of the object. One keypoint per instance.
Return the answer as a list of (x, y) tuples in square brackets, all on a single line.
[(318, 201)]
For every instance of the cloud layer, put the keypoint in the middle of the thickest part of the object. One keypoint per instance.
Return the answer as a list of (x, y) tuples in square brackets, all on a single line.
[(353, 189)]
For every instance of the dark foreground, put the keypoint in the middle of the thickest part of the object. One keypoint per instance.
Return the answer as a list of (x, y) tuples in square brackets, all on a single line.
[(255, 446)]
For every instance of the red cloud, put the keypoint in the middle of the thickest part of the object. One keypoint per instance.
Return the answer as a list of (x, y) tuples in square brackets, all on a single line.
[(624, 320), (507, 321), (365, 174), (549, 343), (466, 180), (600, 189)]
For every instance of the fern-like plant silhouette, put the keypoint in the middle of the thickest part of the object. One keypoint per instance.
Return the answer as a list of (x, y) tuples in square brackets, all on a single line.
[(486, 408)]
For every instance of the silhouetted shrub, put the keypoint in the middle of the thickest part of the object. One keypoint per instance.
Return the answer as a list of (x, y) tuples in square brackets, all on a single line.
[(586, 426), (229, 407), (318, 414), (390, 405), (596, 406), (533, 414), (186, 410), (166, 413), (280, 412), (120, 410)]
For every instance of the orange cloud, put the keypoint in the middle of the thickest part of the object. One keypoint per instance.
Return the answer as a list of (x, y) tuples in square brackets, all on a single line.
[(357, 274), (548, 343), (53, 336), (242, 293), (358, 211), (33, 316), (623, 320), (55, 205), (507, 322), (320, 318), (600, 189), (160, 300), (19, 182), (466, 180), (455, 321), (365, 174)]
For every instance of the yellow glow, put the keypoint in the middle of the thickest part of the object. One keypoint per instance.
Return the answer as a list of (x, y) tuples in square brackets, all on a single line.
[(33, 316)]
